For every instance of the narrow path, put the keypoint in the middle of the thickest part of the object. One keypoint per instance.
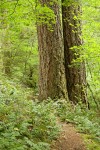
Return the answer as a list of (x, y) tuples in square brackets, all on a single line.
[(69, 139)]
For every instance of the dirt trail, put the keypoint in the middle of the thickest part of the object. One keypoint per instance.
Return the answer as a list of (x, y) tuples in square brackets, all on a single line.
[(69, 139)]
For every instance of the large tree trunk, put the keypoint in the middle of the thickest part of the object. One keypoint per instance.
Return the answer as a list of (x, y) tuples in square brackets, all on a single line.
[(75, 73), (52, 74)]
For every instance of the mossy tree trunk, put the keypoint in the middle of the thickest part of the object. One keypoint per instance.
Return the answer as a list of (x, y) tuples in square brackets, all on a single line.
[(52, 74), (75, 72)]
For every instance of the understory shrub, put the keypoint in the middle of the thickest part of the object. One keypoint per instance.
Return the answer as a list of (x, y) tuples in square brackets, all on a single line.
[(87, 121), (24, 124)]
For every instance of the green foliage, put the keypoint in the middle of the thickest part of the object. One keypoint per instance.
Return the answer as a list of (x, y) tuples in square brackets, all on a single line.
[(27, 124), (18, 38), (91, 144), (24, 124), (45, 15), (85, 120), (91, 47)]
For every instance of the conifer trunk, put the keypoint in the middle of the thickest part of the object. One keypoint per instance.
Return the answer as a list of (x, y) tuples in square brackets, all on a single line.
[(75, 73), (52, 74)]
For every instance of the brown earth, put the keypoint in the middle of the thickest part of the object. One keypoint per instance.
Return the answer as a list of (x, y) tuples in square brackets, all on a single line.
[(69, 139)]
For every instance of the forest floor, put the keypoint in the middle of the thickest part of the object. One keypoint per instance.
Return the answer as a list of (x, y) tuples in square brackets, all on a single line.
[(69, 139)]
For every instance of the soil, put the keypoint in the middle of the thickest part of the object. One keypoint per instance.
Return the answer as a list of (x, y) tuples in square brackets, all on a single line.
[(69, 139)]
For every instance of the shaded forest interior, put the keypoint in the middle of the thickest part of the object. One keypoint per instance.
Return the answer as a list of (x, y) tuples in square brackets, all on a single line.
[(49, 70)]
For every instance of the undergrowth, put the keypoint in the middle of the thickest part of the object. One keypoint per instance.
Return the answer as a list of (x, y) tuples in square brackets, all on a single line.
[(24, 124), (86, 121), (32, 125)]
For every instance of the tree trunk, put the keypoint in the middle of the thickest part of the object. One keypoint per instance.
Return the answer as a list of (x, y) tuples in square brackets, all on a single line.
[(75, 73), (52, 74)]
